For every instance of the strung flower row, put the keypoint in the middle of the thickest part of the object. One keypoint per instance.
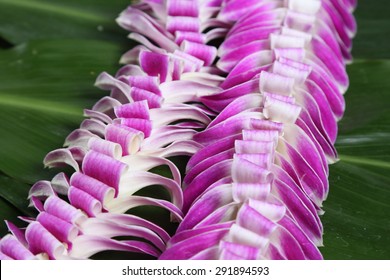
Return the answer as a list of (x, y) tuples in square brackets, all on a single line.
[(144, 121), (255, 189)]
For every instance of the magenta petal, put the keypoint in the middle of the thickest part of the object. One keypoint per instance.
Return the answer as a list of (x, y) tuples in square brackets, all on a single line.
[(111, 229), (153, 100), (17, 232), (243, 191), (190, 36), (249, 218), (127, 219), (137, 109), (191, 246), (84, 201), (182, 8), (304, 217), (232, 57), (244, 171), (60, 158), (182, 23), (207, 163), (121, 205), (217, 147), (4, 257), (63, 210), (104, 168), (238, 252), (130, 139), (85, 246), (155, 64), (138, 124), (145, 82), (135, 20), (62, 230), (41, 190), (10, 247), (287, 245), (41, 240), (204, 180), (309, 249), (205, 205), (94, 187)]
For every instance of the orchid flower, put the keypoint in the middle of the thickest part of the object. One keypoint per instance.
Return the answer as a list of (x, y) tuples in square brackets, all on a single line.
[(258, 123)]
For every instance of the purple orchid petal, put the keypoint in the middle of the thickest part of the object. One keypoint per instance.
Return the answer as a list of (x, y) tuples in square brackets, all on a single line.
[(104, 169), (189, 36), (182, 8), (219, 100), (201, 51), (84, 201), (207, 163), (185, 91), (107, 82), (60, 183), (98, 116), (62, 230), (85, 246), (106, 106), (155, 65), (94, 187), (110, 229), (126, 219), (205, 205), (17, 232), (232, 56), (191, 246), (130, 139), (41, 190), (163, 136), (309, 249), (11, 248), (169, 114), (145, 25), (4, 257), (137, 109), (105, 147), (145, 126), (241, 236), (95, 126), (59, 158), (133, 181), (61, 209), (40, 240), (121, 205), (244, 191), (205, 179), (234, 251), (303, 216)]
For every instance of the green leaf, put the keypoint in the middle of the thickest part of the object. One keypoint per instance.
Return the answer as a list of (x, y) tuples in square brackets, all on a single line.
[(23, 20), (372, 38), (45, 87), (357, 212)]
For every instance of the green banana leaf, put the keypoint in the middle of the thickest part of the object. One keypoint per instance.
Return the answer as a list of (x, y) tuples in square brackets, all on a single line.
[(51, 52)]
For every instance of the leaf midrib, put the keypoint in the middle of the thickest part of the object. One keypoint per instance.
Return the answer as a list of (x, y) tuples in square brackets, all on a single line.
[(365, 161), (56, 108)]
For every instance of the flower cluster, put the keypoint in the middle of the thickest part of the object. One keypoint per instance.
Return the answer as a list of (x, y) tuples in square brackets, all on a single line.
[(257, 114)]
